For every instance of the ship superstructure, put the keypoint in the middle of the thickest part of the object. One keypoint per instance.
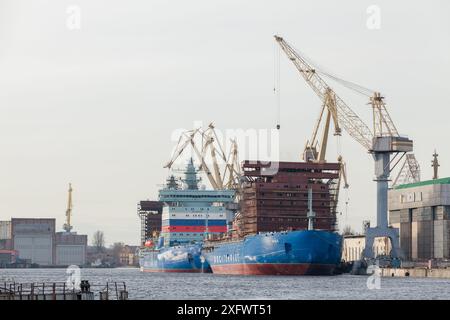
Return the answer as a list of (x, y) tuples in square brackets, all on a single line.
[(190, 214)]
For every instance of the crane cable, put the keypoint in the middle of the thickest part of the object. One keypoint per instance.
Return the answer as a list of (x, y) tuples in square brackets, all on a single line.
[(277, 82), (349, 85), (339, 153), (322, 71)]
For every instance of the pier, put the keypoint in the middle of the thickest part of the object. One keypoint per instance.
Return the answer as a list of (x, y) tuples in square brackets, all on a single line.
[(61, 291), (441, 273)]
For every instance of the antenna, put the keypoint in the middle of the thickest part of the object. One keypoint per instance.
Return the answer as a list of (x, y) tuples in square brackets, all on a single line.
[(311, 214), (435, 164), (67, 227)]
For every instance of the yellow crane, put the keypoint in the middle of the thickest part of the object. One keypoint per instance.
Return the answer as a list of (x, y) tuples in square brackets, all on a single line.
[(315, 150), (67, 226), (316, 147), (381, 142)]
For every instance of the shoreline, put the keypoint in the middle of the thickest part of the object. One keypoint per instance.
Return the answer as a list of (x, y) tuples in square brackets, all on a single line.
[(439, 273)]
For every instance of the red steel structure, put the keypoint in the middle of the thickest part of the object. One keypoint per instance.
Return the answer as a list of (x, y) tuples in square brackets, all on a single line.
[(150, 213), (275, 196)]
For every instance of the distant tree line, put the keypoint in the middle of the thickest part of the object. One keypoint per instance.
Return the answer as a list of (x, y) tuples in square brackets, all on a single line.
[(109, 256)]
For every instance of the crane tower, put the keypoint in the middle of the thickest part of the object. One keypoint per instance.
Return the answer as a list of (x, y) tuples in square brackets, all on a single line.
[(67, 226), (382, 142)]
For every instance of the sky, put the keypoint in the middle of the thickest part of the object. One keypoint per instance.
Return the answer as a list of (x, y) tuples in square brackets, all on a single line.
[(91, 92)]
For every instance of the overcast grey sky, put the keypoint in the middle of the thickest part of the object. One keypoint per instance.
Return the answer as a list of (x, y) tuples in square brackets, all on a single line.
[(96, 106)]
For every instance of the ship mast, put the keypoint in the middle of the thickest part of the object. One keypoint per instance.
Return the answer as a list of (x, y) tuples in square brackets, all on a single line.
[(311, 214)]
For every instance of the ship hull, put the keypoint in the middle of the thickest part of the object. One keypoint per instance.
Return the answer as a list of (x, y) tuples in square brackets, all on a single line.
[(186, 258), (279, 253), (275, 269)]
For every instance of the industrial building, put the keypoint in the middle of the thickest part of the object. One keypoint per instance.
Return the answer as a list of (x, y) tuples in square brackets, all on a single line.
[(5, 235), (70, 249), (5, 230), (353, 246), (34, 239), (7, 257), (421, 211)]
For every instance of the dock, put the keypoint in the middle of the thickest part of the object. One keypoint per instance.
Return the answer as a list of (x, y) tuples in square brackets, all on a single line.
[(441, 273), (61, 291)]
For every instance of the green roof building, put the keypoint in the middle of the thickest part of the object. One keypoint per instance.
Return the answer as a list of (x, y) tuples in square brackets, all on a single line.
[(422, 213)]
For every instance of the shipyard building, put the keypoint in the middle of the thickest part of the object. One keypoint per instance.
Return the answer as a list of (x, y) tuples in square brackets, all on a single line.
[(70, 248), (35, 241), (7, 255), (421, 212), (353, 247)]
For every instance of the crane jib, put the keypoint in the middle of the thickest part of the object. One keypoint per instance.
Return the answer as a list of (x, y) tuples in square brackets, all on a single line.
[(349, 120)]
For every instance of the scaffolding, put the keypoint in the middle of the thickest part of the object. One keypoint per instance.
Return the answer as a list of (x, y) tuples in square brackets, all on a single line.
[(150, 214)]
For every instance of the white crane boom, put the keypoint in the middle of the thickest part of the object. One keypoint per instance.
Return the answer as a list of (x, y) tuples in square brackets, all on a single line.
[(210, 142), (181, 146)]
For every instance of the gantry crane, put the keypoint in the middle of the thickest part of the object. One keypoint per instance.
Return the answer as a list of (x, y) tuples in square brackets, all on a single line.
[(381, 142), (67, 226), (210, 145)]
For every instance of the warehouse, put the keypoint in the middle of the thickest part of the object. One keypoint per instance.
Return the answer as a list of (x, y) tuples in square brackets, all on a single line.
[(70, 249), (353, 247), (7, 257), (421, 212), (5, 235), (34, 239), (5, 230)]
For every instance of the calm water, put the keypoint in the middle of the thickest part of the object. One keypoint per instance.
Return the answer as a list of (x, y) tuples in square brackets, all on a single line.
[(209, 286)]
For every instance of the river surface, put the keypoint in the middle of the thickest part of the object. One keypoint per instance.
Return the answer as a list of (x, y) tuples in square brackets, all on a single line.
[(210, 286)]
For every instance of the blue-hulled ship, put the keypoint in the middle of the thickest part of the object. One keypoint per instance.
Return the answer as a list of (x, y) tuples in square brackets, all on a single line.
[(304, 252), (190, 214), (182, 258), (277, 232)]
